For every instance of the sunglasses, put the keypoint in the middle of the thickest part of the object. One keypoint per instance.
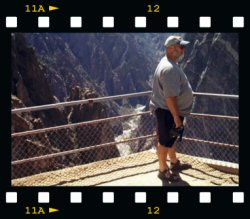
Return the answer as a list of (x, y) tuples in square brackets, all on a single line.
[(181, 46)]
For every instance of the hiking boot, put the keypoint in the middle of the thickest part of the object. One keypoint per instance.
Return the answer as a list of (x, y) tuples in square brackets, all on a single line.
[(168, 175), (178, 166)]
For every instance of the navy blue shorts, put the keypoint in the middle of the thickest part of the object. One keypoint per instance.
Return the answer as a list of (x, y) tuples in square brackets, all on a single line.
[(165, 122)]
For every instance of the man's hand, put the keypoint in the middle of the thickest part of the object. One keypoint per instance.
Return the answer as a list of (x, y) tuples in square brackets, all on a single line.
[(177, 121)]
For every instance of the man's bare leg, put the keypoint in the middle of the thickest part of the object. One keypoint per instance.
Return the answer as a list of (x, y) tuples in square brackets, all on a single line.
[(174, 160), (162, 153), (172, 154)]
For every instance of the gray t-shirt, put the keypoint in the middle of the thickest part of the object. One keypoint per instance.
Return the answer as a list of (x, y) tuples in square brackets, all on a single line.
[(170, 80)]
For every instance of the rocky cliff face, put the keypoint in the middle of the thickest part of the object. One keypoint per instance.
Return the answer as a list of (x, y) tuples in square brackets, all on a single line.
[(212, 65), (120, 63), (30, 82), (64, 70), (110, 63)]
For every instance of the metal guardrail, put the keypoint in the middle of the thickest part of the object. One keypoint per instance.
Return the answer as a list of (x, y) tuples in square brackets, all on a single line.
[(52, 148), (104, 99)]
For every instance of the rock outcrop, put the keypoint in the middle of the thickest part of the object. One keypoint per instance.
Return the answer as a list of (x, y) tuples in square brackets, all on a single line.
[(28, 146), (29, 81), (93, 133)]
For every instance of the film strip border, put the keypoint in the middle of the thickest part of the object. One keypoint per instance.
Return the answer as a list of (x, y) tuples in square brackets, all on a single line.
[(139, 197), (109, 22)]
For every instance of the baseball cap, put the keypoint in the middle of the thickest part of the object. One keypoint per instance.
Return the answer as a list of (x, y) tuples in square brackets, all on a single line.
[(171, 40)]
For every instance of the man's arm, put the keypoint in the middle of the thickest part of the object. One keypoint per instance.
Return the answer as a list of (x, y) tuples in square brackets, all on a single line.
[(171, 103)]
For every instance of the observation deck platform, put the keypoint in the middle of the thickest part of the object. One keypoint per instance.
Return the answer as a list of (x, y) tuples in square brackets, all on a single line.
[(139, 169)]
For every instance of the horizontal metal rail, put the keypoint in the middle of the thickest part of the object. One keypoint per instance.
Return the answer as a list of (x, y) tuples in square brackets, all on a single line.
[(107, 120), (211, 142), (77, 102), (77, 124), (214, 116), (216, 95), (103, 99)]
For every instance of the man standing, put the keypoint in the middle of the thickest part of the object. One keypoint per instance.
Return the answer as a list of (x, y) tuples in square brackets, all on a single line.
[(171, 101)]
